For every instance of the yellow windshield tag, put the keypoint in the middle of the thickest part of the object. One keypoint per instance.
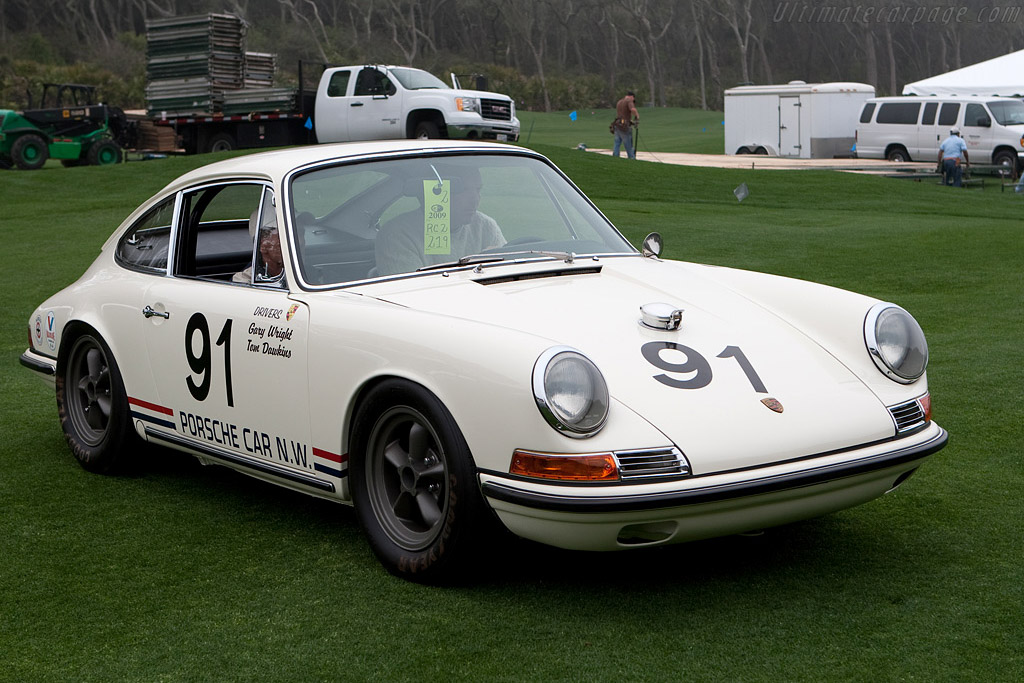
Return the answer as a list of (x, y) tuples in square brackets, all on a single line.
[(437, 217)]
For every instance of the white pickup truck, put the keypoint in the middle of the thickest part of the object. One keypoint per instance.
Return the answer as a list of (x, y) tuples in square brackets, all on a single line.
[(352, 103), (380, 102)]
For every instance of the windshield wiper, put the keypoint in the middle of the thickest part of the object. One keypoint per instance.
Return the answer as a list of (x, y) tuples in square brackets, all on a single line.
[(464, 261), (566, 256)]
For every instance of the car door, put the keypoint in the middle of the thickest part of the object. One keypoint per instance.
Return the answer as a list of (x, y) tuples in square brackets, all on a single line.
[(229, 357), (375, 108), (332, 107), (977, 132), (789, 126), (927, 134)]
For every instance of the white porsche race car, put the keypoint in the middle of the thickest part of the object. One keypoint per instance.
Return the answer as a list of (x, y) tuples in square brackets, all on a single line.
[(448, 334)]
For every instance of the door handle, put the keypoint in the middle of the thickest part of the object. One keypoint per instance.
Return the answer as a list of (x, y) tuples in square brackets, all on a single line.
[(149, 312), (356, 104)]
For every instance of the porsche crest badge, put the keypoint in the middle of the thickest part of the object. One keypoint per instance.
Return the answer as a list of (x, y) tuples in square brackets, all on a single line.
[(773, 404)]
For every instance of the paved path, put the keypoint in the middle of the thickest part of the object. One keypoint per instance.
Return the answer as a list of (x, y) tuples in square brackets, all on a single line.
[(878, 166)]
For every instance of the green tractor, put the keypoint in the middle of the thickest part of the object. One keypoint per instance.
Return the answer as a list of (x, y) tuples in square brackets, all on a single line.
[(66, 125)]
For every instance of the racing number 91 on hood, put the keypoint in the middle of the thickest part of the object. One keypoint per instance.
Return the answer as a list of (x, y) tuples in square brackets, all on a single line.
[(451, 337)]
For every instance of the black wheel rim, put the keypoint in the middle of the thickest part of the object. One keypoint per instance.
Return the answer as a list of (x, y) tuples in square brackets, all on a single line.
[(407, 478), (88, 391)]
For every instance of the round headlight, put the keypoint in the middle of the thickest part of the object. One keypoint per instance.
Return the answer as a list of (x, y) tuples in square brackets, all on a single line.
[(896, 343), (570, 391)]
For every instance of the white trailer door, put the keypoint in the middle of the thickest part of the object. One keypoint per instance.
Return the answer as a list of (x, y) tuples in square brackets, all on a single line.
[(789, 126)]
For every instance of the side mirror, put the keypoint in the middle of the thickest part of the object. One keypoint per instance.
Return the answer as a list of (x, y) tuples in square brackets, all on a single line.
[(985, 122), (653, 245)]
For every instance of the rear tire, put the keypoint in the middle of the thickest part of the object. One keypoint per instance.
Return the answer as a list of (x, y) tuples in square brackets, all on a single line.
[(92, 405), (30, 152), (898, 154), (414, 484), (221, 142), (104, 153)]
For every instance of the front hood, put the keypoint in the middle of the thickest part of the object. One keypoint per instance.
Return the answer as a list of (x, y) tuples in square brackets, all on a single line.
[(462, 92), (701, 385)]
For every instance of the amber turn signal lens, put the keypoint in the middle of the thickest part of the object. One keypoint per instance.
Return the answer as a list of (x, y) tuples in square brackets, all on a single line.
[(926, 406), (590, 467)]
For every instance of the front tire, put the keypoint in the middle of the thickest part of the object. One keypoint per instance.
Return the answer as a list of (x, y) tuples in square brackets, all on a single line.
[(104, 153), (414, 483), (30, 152), (93, 405), (1008, 160)]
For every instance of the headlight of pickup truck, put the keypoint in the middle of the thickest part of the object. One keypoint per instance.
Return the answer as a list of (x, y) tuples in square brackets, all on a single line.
[(468, 104)]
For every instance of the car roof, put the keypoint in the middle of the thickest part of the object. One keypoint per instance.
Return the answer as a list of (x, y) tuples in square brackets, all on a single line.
[(942, 98), (276, 164)]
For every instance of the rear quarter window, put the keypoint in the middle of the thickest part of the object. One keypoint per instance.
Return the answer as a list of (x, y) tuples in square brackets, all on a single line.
[(146, 244), (899, 112), (865, 114)]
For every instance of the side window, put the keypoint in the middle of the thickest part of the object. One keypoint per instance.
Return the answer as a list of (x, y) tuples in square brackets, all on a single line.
[(975, 115), (865, 115), (146, 244), (899, 112), (218, 226), (338, 85), (372, 82), (928, 118), (948, 114)]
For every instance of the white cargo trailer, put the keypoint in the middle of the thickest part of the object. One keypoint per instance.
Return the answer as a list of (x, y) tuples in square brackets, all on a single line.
[(799, 120)]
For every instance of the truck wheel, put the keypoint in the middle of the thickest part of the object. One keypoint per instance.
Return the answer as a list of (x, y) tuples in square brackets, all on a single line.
[(427, 130), (104, 153), (414, 484), (221, 142), (30, 152)]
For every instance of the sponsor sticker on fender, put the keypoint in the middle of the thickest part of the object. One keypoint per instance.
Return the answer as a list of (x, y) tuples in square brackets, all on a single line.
[(51, 334)]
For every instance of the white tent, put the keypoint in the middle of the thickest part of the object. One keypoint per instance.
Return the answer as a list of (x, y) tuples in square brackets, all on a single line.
[(999, 76)]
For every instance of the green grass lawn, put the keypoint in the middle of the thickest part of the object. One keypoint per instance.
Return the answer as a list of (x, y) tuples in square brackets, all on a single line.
[(661, 129), (183, 572)]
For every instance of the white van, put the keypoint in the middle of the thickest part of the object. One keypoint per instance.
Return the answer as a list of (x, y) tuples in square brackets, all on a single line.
[(911, 128)]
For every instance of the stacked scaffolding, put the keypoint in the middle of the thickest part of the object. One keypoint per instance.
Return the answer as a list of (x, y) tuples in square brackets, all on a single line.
[(259, 69), (198, 65), (191, 61)]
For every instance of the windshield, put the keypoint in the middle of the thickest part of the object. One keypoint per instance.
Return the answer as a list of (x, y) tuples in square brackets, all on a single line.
[(1007, 112), (381, 218), (415, 79)]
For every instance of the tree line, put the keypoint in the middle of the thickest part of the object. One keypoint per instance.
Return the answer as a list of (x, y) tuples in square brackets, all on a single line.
[(548, 54)]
